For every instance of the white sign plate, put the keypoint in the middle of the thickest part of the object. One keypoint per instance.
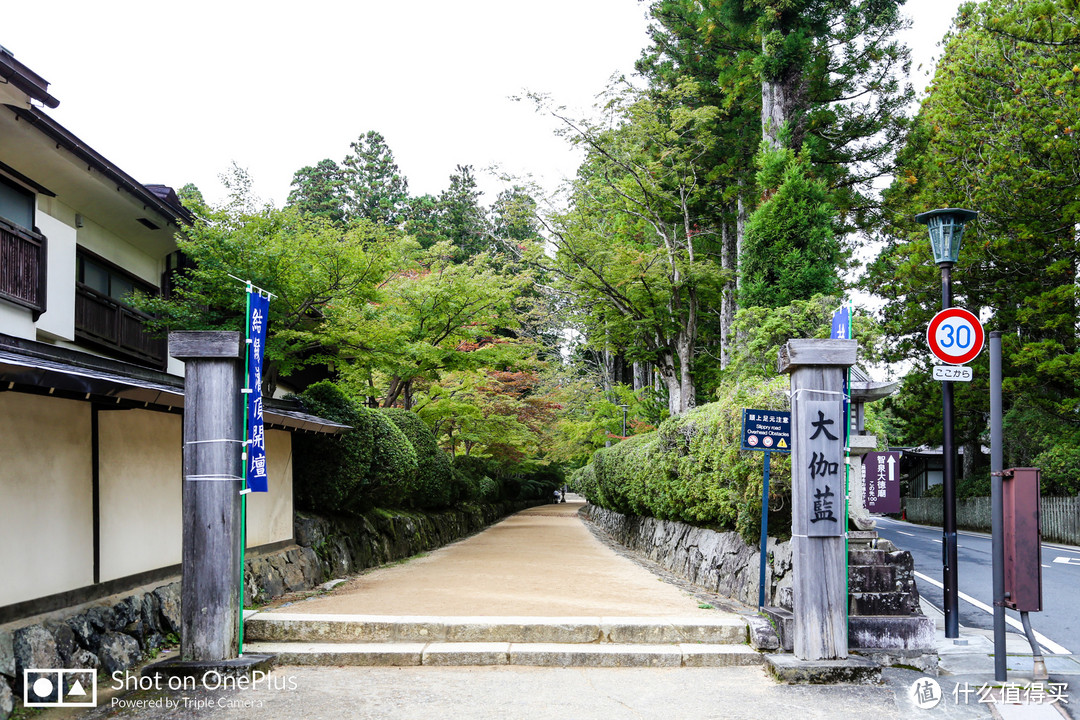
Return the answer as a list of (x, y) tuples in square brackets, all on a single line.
[(953, 373)]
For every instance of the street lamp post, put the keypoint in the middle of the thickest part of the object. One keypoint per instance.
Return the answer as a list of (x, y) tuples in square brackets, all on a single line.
[(946, 229)]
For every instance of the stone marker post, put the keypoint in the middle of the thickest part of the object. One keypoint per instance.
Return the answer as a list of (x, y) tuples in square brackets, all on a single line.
[(213, 476), (818, 523)]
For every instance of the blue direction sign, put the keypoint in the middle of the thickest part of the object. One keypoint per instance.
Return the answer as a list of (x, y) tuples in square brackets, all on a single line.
[(768, 430)]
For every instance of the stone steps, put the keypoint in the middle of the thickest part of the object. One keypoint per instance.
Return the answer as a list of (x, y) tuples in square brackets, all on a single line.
[(313, 639), (535, 654)]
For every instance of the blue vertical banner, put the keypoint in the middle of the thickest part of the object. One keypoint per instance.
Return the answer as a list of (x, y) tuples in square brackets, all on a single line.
[(841, 324), (841, 330), (255, 472)]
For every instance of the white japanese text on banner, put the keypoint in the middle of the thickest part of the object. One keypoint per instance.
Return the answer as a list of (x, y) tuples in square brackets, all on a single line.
[(255, 471)]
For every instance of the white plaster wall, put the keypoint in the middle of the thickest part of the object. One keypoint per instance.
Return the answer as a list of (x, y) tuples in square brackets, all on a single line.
[(46, 498), (140, 453), (270, 514), (58, 320), (16, 321)]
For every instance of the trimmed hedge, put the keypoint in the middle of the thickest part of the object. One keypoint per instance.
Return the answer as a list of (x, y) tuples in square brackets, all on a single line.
[(372, 465), (693, 470), (432, 484)]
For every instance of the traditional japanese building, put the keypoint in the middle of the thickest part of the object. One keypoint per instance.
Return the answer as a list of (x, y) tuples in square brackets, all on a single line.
[(90, 404)]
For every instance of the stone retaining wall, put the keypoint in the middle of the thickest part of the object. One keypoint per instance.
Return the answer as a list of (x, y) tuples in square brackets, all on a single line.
[(119, 634), (721, 562)]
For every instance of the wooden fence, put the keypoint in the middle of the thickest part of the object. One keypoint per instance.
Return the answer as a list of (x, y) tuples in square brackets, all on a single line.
[(1060, 515)]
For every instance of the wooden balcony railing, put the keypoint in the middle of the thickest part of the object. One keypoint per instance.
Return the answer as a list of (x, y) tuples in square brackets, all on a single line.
[(101, 320), (22, 267)]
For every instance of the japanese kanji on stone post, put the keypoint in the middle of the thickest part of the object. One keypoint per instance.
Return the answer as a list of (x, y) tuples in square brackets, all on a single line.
[(819, 520)]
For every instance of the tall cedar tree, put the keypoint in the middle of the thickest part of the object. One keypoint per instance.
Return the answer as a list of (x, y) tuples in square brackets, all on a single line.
[(997, 134)]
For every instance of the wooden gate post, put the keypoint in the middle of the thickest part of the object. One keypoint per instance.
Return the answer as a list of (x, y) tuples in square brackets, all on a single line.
[(818, 524), (213, 471)]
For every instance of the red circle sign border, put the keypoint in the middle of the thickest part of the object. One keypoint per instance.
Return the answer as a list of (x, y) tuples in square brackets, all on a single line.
[(976, 347)]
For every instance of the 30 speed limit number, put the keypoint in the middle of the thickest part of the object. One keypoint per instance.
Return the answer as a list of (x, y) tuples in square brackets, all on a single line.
[(955, 336)]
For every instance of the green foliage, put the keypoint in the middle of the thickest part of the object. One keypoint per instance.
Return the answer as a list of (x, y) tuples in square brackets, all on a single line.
[(372, 465), (997, 133), (327, 470), (323, 277), (375, 188), (589, 418), (631, 253), (838, 67), (762, 331), (319, 191), (692, 469), (395, 462), (791, 250), (501, 480), (438, 316), (434, 476)]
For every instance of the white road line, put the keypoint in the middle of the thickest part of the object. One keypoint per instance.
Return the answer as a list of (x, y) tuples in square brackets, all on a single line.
[(1061, 548), (985, 536), (1043, 640), (937, 541), (908, 534)]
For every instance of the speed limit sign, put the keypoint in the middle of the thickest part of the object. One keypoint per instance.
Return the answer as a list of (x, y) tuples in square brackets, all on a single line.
[(955, 336)]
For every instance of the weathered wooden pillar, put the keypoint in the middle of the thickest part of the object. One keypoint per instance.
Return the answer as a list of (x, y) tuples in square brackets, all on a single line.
[(818, 523), (213, 476)]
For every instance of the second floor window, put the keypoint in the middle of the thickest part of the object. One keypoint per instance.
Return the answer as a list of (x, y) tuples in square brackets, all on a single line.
[(16, 204), (105, 280)]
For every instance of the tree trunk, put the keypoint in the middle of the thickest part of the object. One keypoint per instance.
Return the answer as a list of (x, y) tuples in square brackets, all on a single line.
[(729, 260), (687, 392), (373, 398), (971, 456), (608, 371), (773, 111), (396, 386), (641, 376)]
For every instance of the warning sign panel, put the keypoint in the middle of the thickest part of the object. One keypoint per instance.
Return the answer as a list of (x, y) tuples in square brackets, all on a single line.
[(766, 430)]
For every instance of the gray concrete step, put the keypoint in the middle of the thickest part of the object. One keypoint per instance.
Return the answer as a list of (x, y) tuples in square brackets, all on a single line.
[(718, 629), (489, 653)]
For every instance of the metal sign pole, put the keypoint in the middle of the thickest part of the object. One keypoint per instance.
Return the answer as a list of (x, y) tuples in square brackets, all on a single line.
[(997, 509), (764, 530)]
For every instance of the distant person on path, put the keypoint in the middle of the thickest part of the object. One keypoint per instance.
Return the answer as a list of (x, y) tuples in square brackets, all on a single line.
[(557, 497)]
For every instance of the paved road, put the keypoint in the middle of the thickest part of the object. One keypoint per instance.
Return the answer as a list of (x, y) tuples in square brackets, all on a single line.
[(1058, 623), (540, 562)]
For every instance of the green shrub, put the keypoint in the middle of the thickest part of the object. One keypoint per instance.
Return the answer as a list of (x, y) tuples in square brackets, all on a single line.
[(394, 465), (463, 488), (329, 469), (692, 468), (372, 464), (487, 490), (434, 481)]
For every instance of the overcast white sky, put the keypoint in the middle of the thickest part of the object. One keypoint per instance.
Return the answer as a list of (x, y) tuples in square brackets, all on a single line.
[(175, 92)]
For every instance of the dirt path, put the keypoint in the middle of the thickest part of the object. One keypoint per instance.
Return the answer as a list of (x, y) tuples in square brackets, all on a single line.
[(539, 562)]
